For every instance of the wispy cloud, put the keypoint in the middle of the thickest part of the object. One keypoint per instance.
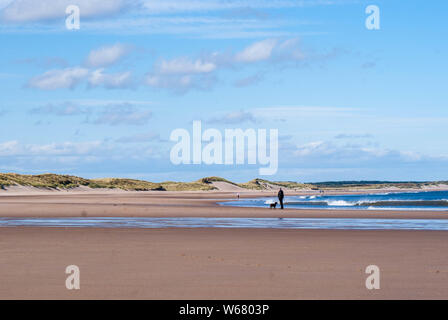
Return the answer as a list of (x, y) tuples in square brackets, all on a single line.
[(189, 18), (250, 80), (105, 113), (234, 118), (353, 136), (257, 51), (183, 73), (141, 138), (297, 112), (22, 11), (124, 114), (184, 65), (120, 80), (15, 148), (329, 153), (67, 78), (175, 6), (66, 109), (107, 55)]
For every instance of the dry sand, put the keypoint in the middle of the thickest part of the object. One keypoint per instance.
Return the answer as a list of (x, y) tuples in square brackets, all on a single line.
[(222, 263), (211, 263)]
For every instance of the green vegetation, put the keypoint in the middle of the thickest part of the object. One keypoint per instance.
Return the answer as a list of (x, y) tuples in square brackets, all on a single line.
[(187, 186), (261, 184), (54, 181), (48, 180), (125, 184), (374, 184), (215, 179), (255, 184)]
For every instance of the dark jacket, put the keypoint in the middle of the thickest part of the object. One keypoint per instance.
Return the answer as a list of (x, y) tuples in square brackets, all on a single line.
[(281, 195)]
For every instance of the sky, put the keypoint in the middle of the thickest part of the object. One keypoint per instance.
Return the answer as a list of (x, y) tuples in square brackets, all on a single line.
[(349, 103)]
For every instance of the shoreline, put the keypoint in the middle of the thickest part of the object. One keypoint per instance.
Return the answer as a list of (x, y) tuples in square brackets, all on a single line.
[(174, 204)]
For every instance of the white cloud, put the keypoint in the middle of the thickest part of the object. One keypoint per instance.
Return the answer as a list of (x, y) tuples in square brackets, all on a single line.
[(319, 152), (183, 73), (107, 55), (167, 82), (124, 114), (180, 84), (66, 109), (174, 6), (59, 78), (69, 78), (248, 81), (111, 81), (272, 49), (234, 117), (170, 6), (4, 3), (140, 138), (353, 136), (8, 148), (228, 19), (184, 66), (20, 11), (14, 148), (257, 51), (299, 112), (64, 148)]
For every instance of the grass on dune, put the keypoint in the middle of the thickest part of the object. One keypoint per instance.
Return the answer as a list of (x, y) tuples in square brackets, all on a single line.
[(141, 185), (125, 184), (261, 184), (43, 180), (376, 184), (56, 181), (215, 179)]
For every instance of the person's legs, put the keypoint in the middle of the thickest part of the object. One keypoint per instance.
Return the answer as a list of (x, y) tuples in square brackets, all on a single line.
[(281, 203)]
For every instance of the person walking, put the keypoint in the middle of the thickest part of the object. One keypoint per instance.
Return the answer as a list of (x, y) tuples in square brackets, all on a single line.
[(281, 195)]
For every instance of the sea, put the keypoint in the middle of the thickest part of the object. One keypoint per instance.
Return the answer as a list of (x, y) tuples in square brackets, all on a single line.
[(422, 200)]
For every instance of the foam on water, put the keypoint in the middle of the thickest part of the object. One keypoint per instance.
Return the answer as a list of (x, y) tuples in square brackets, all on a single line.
[(423, 200)]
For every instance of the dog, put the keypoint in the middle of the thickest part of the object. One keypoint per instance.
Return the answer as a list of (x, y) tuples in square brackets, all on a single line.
[(273, 205)]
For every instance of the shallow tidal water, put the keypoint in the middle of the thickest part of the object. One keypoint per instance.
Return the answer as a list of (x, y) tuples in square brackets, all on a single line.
[(258, 223)]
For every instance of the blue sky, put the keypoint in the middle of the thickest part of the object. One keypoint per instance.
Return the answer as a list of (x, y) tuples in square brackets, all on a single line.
[(350, 103)]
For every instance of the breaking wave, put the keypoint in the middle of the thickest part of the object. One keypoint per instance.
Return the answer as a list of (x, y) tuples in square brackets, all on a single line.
[(373, 203), (423, 200)]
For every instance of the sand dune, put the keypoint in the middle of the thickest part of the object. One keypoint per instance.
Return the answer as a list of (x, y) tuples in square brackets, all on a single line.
[(226, 187)]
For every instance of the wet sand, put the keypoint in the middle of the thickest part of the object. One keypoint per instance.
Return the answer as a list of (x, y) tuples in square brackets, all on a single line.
[(211, 263), (171, 204)]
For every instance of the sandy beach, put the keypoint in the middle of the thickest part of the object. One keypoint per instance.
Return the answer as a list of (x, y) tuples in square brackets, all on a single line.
[(210, 263), (169, 204), (222, 264)]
